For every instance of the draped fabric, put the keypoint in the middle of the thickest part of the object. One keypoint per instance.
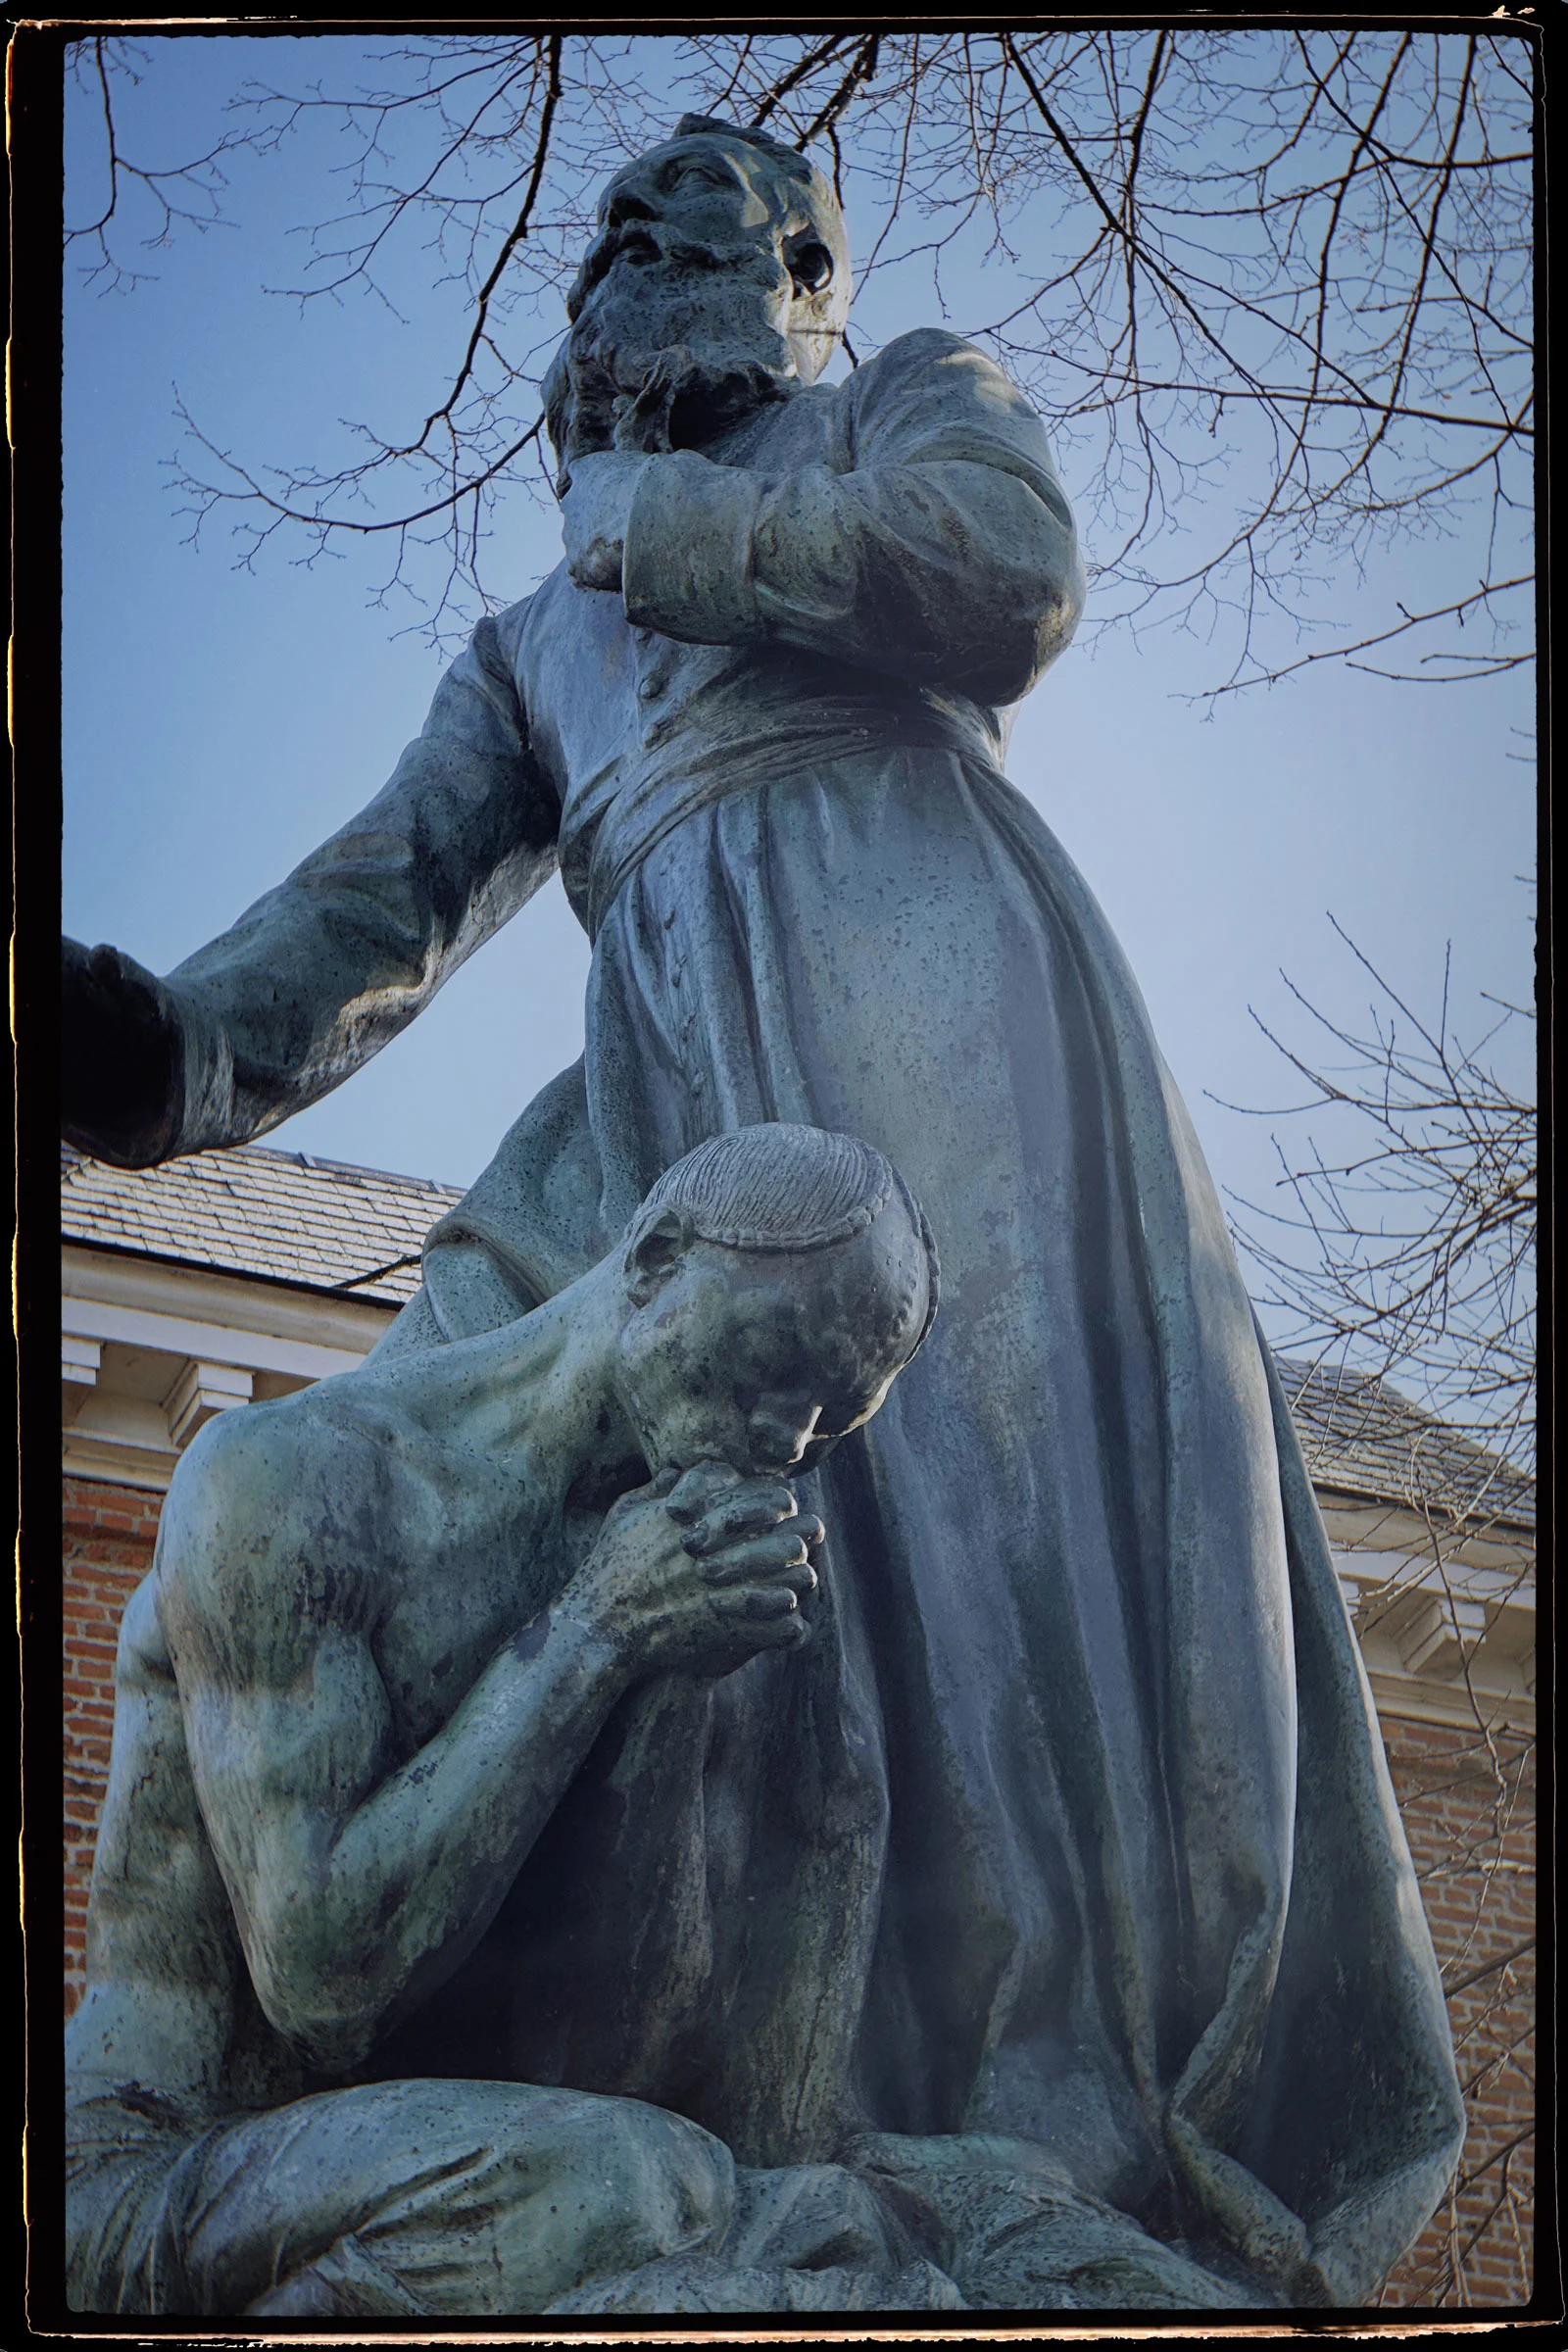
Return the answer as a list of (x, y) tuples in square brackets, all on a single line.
[(1069, 1833), (1071, 1823)]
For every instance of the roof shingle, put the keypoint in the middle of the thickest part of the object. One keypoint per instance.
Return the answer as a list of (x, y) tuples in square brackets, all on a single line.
[(1361, 1436), (279, 1214)]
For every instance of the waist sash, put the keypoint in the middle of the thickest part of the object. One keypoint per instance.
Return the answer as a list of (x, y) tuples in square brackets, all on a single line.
[(654, 802)]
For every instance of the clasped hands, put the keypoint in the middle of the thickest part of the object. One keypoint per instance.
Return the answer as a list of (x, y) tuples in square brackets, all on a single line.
[(699, 1572)]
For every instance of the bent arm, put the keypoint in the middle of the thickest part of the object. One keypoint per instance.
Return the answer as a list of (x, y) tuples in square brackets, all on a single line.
[(362, 1894), (321, 972), (940, 547), (358, 1875)]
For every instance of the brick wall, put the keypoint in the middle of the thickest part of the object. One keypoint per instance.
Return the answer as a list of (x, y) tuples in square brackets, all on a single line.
[(1469, 1810), (1469, 1813), (109, 1534)]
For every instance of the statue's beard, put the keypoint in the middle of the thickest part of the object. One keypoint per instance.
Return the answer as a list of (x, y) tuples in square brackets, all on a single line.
[(671, 344)]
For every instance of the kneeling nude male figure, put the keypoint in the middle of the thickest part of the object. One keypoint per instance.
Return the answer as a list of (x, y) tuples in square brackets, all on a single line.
[(408, 1718)]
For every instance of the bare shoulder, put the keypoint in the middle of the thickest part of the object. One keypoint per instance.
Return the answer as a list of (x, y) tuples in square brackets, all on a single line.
[(265, 1544)]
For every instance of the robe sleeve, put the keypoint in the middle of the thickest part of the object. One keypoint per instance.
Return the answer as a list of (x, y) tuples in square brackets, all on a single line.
[(937, 545), (326, 968)]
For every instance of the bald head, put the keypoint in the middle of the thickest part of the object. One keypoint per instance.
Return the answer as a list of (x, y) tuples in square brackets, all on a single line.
[(779, 1279)]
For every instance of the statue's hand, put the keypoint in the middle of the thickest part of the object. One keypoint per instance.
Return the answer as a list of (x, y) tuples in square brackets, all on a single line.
[(699, 1574), (594, 513), (121, 1058)]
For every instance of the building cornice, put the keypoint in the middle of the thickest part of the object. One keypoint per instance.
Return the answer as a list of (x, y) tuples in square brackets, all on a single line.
[(150, 1349), (1444, 1617)]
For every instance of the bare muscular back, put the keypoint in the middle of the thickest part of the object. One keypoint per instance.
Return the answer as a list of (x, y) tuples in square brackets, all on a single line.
[(377, 1649), (434, 1567)]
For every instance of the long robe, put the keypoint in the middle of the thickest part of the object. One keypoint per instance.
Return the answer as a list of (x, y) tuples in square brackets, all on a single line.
[(1071, 1825)]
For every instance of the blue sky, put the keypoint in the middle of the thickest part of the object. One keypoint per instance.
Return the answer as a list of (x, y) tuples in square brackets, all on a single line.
[(218, 723)]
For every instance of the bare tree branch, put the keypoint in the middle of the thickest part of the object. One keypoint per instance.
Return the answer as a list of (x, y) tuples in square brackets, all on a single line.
[(1411, 1254), (1260, 283), (1410, 620)]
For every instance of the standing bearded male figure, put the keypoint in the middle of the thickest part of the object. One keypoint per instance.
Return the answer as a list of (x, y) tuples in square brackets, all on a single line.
[(1084, 1888)]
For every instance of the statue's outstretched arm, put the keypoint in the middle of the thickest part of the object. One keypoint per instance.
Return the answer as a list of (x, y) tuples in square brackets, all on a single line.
[(937, 544), (323, 970)]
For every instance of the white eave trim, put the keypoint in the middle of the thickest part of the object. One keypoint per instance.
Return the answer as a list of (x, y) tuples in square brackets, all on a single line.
[(233, 1302), (214, 1334)]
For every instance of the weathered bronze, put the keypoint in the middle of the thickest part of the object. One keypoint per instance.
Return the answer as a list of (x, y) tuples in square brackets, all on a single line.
[(1040, 1933)]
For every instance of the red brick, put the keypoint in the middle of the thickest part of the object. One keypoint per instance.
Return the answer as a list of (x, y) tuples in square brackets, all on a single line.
[(109, 1534), (1455, 1811)]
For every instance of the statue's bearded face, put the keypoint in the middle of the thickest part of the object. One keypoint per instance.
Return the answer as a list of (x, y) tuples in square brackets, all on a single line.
[(719, 279)]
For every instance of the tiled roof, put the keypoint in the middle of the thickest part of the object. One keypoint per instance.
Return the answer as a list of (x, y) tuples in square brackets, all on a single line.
[(283, 1215), (1361, 1436), (326, 1226)]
